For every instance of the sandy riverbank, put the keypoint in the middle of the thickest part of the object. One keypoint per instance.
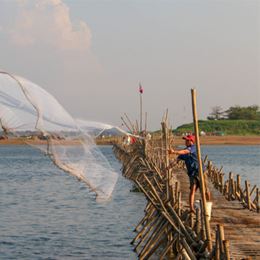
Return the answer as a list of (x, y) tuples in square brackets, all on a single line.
[(204, 140), (224, 140), (207, 140), (20, 141)]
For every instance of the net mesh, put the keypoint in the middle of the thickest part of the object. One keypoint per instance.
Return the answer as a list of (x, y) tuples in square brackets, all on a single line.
[(29, 112)]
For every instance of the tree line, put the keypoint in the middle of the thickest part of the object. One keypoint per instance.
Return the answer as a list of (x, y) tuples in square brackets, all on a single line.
[(235, 113)]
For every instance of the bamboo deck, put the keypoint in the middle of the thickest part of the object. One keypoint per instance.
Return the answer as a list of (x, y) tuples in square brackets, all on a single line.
[(242, 227)]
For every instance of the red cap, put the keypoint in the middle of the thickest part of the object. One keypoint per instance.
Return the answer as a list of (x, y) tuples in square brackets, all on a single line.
[(189, 137)]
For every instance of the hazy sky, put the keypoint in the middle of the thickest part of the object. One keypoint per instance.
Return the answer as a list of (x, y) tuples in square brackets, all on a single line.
[(91, 54)]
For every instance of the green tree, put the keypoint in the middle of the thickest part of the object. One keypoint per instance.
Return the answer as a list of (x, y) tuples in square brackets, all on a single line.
[(238, 112), (216, 114)]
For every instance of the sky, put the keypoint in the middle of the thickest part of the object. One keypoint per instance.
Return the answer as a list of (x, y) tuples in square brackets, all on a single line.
[(92, 54)]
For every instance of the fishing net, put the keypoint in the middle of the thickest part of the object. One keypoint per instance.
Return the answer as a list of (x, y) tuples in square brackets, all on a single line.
[(31, 114)]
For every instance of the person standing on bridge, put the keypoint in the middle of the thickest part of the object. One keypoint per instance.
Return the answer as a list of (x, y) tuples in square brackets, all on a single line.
[(189, 156)]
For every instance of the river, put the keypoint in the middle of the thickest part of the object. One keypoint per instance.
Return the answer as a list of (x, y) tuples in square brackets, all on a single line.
[(47, 214)]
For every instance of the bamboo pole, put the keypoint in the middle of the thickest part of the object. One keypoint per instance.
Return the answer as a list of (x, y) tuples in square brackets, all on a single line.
[(248, 195), (154, 247), (202, 221), (145, 124), (227, 249), (141, 112), (126, 124), (180, 224), (146, 228), (168, 216), (222, 183), (257, 200), (179, 203), (149, 213), (201, 175), (157, 231), (205, 159), (253, 189), (169, 246), (230, 187), (217, 249), (130, 122), (166, 157), (155, 225), (197, 223), (187, 248), (137, 126), (176, 190)]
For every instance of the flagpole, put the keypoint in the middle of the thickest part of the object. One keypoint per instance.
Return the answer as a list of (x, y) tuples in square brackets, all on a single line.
[(141, 107), (141, 112)]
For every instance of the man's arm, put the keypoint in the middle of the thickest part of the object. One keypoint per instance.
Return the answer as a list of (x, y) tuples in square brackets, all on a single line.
[(180, 152)]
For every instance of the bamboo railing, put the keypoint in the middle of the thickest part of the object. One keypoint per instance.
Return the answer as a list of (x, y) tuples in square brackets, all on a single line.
[(232, 188)]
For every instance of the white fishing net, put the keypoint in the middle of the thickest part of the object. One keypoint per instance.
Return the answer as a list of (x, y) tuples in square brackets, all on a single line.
[(29, 112)]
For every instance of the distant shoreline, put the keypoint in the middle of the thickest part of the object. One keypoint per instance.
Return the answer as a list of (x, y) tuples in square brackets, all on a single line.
[(224, 140), (204, 140)]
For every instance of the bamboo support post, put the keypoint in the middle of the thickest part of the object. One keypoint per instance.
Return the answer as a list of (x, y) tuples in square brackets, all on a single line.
[(166, 250), (253, 189), (145, 124), (209, 168), (180, 224), (205, 159), (166, 158), (257, 200), (222, 183), (146, 228), (217, 253), (127, 126), (227, 249), (154, 227), (201, 174), (192, 219), (238, 185), (188, 250), (157, 232), (141, 112), (154, 247), (203, 233), (176, 189), (233, 184), (230, 187), (247, 185), (136, 126), (179, 203), (220, 229), (144, 219), (130, 122), (197, 222)]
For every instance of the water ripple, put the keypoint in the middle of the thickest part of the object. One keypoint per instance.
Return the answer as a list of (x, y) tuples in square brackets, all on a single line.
[(47, 214)]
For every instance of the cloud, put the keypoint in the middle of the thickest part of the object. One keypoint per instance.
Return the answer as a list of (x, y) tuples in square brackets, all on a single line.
[(48, 22)]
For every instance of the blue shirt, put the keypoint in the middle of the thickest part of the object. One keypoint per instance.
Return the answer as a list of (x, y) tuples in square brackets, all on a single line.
[(191, 160)]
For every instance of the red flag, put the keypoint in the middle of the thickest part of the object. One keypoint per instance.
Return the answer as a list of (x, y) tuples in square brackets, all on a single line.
[(141, 90)]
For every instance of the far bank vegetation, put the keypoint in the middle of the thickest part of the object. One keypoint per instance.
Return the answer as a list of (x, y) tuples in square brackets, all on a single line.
[(236, 120)]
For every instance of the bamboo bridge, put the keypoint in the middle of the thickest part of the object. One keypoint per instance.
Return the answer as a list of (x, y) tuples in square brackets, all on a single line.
[(168, 229)]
